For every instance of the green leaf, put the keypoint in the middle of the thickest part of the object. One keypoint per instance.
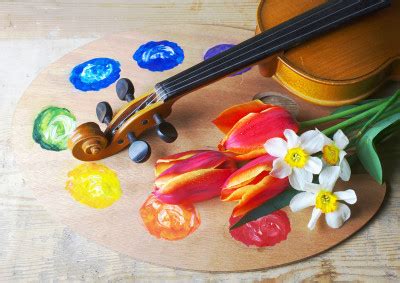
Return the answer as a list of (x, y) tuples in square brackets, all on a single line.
[(366, 150), (267, 207)]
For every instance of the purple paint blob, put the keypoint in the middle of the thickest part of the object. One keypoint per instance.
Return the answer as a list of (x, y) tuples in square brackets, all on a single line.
[(221, 48)]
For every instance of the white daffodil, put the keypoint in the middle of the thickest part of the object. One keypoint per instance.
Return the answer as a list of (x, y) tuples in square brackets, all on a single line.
[(325, 201), (294, 158), (333, 154)]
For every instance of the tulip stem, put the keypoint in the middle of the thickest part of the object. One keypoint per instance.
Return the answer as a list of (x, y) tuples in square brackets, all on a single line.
[(341, 114)]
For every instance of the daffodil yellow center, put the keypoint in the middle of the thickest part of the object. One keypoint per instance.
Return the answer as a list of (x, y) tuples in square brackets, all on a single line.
[(326, 201), (296, 157), (330, 153)]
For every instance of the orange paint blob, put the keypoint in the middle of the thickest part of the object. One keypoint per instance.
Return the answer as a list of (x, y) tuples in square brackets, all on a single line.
[(169, 221)]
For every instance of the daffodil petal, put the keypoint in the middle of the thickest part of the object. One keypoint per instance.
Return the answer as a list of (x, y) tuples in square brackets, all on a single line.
[(276, 147), (291, 137), (312, 141), (301, 201), (342, 154), (345, 170), (338, 217), (327, 140), (312, 188), (299, 177), (348, 196), (316, 213), (313, 165), (328, 177), (280, 169), (340, 139)]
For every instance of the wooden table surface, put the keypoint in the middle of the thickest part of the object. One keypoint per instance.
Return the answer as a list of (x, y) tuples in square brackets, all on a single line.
[(34, 247)]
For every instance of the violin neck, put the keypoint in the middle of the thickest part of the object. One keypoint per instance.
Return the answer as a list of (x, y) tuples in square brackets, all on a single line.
[(279, 38)]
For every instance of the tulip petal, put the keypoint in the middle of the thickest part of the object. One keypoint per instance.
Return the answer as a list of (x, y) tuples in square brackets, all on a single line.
[(248, 172), (238, 193), (247, 137), (193, 186), (338, 217), (228, 118), (280, 169), (203, 160), (276, 147), (301, 201), (163, 164), (266, 189)]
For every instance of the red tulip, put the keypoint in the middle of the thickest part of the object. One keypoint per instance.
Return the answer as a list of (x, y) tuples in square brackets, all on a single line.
[(192, 176), (248, 126), (252, 185)]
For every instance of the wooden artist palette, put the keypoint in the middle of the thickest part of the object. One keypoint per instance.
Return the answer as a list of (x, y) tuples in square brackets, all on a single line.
[(119, 227)]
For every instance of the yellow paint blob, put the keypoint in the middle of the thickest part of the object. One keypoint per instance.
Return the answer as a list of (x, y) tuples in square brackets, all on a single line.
[(94, 185), (326, 201)]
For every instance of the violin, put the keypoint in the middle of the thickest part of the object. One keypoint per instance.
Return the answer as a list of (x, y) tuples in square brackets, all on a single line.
[(336, 68), (276, 49)]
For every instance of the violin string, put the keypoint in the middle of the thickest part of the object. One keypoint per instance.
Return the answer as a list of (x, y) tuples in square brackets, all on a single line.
[(323, 26), (163, 96), (223, 57), (298, 22)]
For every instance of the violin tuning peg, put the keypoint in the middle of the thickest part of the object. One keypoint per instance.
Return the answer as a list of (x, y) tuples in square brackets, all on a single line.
[(125, 90), (139, 151), (104, 112), (166, 131)]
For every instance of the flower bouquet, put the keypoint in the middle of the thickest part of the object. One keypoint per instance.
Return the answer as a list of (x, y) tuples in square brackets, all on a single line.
[(266, 161)]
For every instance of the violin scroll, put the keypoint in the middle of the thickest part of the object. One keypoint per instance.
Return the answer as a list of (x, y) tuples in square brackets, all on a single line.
[(89, 143)]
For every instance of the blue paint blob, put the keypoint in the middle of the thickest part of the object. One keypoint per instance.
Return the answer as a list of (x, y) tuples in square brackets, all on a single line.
[(159, 56), (221, 48), (95, 74)]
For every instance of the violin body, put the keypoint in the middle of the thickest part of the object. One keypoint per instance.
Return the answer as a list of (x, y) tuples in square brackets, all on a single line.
[(339, 67), (327, 52)]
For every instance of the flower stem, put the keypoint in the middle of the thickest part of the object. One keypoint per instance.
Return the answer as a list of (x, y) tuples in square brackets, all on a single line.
[(352, 120), (385, 106), (342, 114)]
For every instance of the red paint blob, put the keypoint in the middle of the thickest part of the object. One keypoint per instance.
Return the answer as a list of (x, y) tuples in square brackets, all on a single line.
[(263, 232)]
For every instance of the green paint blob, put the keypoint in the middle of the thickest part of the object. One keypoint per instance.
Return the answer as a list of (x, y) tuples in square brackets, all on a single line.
[(52, 128)]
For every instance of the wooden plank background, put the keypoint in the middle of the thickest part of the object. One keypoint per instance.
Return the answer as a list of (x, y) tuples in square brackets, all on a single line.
[(35, 247)]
